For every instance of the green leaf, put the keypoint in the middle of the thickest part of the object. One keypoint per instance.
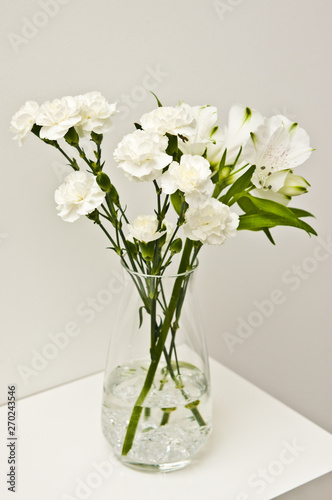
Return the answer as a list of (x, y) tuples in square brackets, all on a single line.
[(239, 186), (159, 103), (269, 235), (272, 207), (257, 222), (138, 126), (298, 212), (176, 246), (237, 156), (222, 164)]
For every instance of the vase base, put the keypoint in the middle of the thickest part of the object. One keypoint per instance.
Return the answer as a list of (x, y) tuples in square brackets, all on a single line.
[(155, 468)]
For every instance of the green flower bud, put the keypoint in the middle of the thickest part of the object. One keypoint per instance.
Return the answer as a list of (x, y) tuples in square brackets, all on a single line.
[(96, 138), (94, 216), (71, 137), (176, 246), (103, 182)]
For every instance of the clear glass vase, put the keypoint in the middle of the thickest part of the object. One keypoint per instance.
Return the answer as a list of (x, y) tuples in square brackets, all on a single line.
[(156, 401)]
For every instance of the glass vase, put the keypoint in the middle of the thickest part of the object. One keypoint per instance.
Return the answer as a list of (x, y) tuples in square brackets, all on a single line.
[(156, 398)]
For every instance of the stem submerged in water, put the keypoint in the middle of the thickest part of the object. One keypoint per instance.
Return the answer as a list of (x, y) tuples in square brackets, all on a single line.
[(158, 349)]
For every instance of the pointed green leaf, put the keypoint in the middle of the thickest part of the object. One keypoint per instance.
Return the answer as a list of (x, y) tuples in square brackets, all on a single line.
[(269, 235), (159, 103), (239, 186), (298, 212), (257, 222)]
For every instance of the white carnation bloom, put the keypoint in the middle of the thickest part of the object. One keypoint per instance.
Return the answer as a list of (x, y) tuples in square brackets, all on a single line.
[(95, 114), (78, 195), (142, 156), (145, 229), (23, 121), (276, 147), (211, 223), (191, 176), (56, 117), (172, 120)]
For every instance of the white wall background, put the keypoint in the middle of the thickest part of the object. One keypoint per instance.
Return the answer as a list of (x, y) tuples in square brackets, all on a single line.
[(270, 55)]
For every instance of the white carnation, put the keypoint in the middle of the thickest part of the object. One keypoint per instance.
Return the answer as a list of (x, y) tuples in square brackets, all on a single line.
[(23, 121), (78, 195), (145, 229), (58, 116), (191, 176), (142, 156), (95, 113), (211, 223), (172, 120)]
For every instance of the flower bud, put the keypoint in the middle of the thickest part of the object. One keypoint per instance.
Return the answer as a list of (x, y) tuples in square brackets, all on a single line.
[(96, 138), (103, 182), (71, 137), (294, 185), (94, 216)]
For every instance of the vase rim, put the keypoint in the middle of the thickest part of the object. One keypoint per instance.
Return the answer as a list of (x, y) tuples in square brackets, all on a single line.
[(172, 275)]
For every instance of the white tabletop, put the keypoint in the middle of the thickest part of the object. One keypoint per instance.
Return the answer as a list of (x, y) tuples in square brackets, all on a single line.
[(259, 449)]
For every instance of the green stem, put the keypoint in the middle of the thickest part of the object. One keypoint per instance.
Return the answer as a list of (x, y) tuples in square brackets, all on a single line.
[(159, 347)]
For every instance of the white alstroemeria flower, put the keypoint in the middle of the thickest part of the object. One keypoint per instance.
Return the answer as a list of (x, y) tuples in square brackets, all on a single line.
[(293, 185), (57, 117), (142, 156), (145, 229), (191, 176), (78, 195), (241, 122), (211, 223), (206, 118), (95, 114), (276, 147), (177, 120), (23, 121)]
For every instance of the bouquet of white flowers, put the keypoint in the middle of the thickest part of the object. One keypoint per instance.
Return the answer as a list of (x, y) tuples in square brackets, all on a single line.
[(197, 168)]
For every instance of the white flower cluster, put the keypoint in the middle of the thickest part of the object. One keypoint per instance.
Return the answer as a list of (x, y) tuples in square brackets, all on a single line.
[(275, 146), (182, 147), (86, 112)]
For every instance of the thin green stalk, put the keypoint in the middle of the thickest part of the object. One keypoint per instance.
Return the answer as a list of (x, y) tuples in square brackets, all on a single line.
[(159, 347)]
